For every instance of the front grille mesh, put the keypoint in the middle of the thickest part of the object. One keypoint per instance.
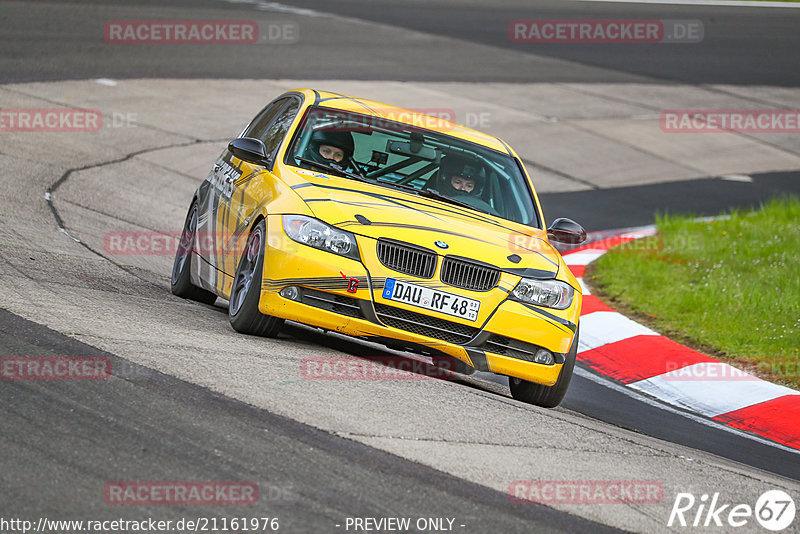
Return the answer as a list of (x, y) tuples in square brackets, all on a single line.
[(425, 325), (513, 348), (468, 275), (332, 302), (407, 259)]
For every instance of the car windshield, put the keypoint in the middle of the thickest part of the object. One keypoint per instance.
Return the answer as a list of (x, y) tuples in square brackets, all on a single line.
[(413, 159)]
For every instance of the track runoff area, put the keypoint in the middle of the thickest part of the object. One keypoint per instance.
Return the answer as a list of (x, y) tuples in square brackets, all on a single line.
[(643, 360)]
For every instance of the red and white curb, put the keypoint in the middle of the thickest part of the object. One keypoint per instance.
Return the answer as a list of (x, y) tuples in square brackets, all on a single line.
[(641, 359)]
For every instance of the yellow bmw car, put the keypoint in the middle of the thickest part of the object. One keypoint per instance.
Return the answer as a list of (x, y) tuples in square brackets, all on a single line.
[(392, 226)]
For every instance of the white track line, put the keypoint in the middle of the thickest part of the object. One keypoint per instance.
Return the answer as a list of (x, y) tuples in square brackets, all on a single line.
[(714, 395), (585, 289), (606, 382), (584, 257), (603, 327)]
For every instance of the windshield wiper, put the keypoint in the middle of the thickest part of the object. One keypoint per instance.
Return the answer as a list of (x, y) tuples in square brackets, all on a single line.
[(335, 170), (433, 193), (404, 187)]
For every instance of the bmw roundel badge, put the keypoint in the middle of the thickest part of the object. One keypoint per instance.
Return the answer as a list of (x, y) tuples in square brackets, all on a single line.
[(441, 244)]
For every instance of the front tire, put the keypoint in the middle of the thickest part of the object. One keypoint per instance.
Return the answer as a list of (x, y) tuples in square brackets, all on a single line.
[(546, 396), (181, 282), (243, 311)]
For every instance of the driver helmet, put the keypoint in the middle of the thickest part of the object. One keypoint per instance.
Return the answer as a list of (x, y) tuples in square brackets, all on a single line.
[(340, 140), (460, 175)]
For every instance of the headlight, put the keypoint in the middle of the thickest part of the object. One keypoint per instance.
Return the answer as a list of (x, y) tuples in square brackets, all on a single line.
[(317, 234), (548, 293)]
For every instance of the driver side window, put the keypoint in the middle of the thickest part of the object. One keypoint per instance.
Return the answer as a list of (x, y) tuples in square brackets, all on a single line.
[(259, 126), (276, 131), (273, 123)]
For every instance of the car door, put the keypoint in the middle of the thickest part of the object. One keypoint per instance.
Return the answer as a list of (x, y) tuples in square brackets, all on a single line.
[(215, 193), (250, 187)]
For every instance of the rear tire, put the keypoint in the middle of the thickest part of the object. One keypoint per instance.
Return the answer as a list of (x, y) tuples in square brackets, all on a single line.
[(181, 282), (546, 396), (243, 310)]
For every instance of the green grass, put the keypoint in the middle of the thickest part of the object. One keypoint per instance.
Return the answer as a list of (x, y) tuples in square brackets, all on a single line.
[(729, 288)]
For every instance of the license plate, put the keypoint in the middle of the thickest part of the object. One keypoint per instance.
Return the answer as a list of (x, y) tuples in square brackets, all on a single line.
[(431, 299)]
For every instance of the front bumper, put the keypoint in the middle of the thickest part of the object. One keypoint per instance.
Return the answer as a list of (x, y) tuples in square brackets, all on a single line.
[(345, 295)]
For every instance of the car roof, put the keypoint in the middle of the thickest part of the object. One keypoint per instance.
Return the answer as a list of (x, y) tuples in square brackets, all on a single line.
[(402, 115)]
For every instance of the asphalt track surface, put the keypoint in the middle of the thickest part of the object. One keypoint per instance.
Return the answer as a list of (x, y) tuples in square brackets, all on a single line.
[(742, 45), (160, 427), (751, 46)]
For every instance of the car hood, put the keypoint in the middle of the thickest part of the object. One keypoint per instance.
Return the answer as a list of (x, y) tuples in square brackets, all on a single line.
[(381, 212)]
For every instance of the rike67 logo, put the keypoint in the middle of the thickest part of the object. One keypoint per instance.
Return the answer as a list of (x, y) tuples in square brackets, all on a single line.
[(774, 510)]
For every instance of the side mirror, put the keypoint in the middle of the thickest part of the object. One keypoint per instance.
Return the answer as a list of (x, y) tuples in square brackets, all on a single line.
[(249, 150), (566, 231)]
